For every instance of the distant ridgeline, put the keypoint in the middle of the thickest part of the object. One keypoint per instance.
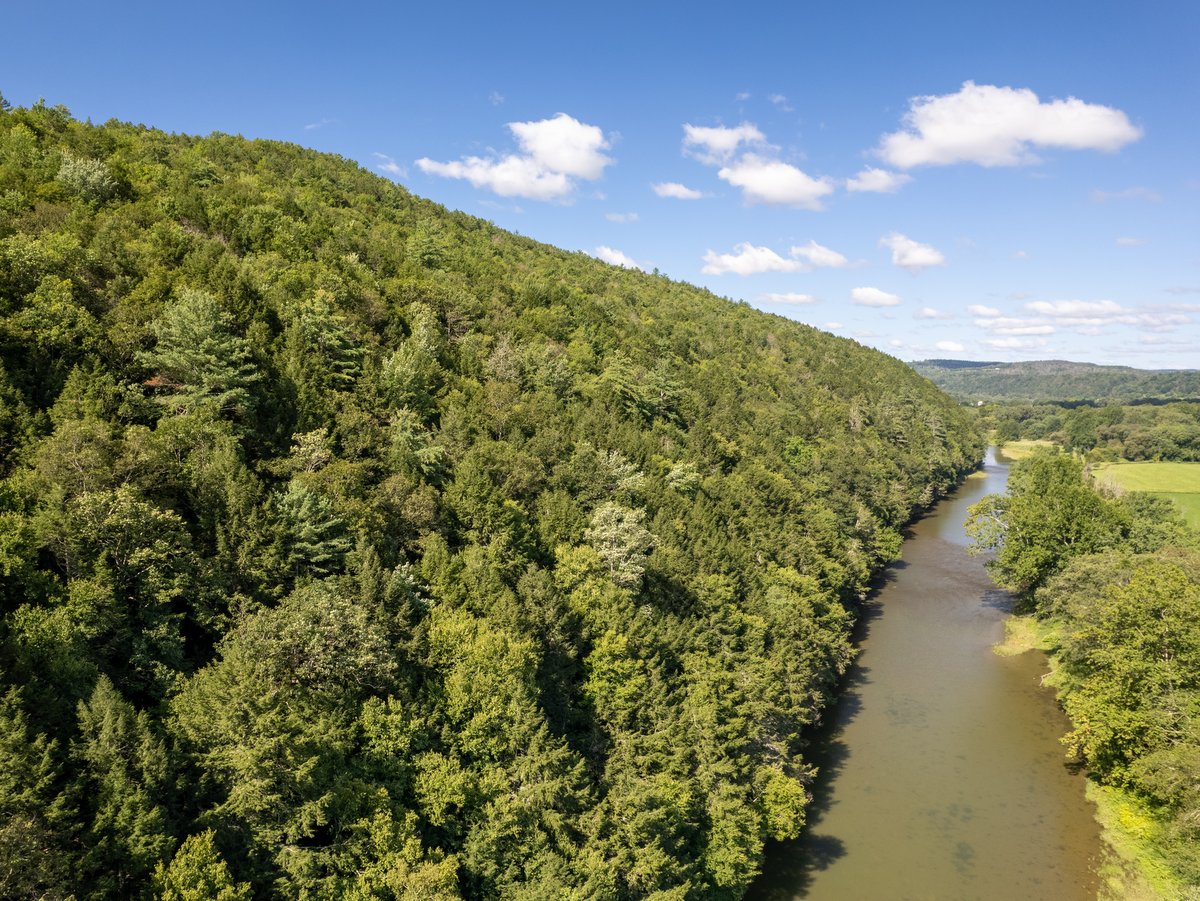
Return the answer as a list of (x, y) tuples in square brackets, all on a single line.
[(1058, 381), (351, 547)]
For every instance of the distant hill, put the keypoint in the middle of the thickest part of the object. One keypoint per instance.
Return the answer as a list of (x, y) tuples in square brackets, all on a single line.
[(1058, 380)]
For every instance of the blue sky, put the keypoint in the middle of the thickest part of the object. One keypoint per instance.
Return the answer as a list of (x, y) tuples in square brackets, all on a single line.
[(983, 181)]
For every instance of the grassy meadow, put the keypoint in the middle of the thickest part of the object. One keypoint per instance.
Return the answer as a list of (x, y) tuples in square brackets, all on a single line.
[(1011, 451), (1180, 482)]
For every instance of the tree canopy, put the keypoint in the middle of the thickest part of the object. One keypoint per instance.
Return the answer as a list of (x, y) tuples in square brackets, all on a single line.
[(352, 547)]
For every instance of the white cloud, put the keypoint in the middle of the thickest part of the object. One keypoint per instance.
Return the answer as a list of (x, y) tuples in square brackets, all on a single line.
[(1138, 193), (563, 144), (977, 309), (833, 325), (1009, 325), (495, 98), (1075, 308), (910, 254), (621, 217), (675, 190), (999, 126), (320, 123), (878, 181), (931, 313), (715, 145), (555, 151), (511, 176), (952, 347), (748, 260), (781, 101), (790, 298), (1021, 255), (773, 182), (1084, 317), (873, 297), (1130, 242), (1016, 343), (617, 258), (821, 257), (389, 165)]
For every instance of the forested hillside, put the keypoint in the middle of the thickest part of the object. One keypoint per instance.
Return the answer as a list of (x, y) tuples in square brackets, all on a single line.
[(350, 547), (1040, 381)]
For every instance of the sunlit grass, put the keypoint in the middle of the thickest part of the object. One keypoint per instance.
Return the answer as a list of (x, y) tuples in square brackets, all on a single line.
[(1019, 450), (1178, 482)]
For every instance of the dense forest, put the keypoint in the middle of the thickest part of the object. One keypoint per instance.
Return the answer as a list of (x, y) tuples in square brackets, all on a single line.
[(1115, 581), (1044, 381), (1166, 431), (351, 547)]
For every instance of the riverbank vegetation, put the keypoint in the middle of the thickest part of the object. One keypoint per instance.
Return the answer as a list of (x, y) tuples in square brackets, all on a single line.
[(351, 547), (1115, 580)]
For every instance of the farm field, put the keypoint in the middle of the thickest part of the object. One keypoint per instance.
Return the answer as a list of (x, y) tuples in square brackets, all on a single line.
[(1180, 482)]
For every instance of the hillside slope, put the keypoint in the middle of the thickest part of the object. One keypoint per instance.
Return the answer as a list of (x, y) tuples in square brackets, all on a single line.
[(350, 547), (1058, 380)]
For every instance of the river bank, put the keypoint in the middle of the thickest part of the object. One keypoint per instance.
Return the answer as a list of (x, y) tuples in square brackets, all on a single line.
[(1132, 869), (940, 770)]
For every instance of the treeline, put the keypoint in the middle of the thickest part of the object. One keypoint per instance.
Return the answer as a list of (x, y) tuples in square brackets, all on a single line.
[(1045, 381), (1167, 431), (354, 548), (1118, 581)]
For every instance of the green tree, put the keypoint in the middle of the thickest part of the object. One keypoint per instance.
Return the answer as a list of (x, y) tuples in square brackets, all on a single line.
[(198, 872), (617, 534), (199, 362), (1048, 516)]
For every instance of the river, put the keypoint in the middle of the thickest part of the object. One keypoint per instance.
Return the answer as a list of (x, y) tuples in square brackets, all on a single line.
[(941, 774)]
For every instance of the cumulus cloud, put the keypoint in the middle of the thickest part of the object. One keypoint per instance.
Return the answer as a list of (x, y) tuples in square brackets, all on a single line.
[(748, 260), (1075, 308), (621, 217), (910, 254), (1011, 325), (781, 101), (675, 190), (716, 144), (772, 182), (977, 309), (616, 257), (1000, 126), (931, 313), (563, 144), (555, 152), (790, 298), (873, 297), (389, 165), (951, 347), (1016, 343), (877, 181), (511, 176), (821, 257), (1084, 317)]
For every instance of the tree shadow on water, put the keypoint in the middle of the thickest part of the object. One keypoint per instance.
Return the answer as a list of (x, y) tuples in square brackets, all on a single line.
[(792, 865)]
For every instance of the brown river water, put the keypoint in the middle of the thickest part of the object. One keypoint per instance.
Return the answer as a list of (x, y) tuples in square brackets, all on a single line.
[(941, 774)]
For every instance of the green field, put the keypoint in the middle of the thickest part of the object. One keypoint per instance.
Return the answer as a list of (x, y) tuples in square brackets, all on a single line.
[(1180, 482), (1019, 450)]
